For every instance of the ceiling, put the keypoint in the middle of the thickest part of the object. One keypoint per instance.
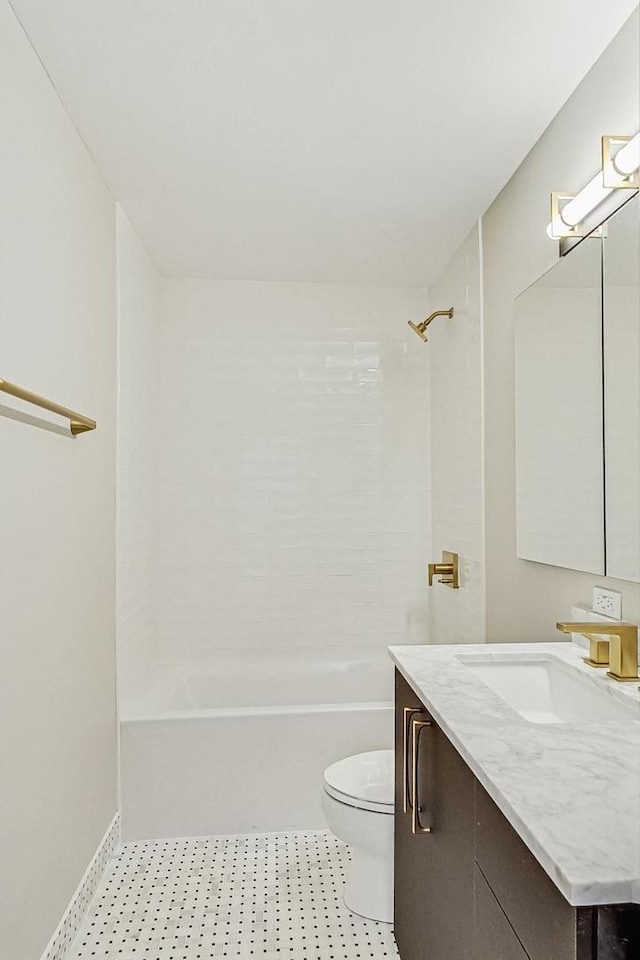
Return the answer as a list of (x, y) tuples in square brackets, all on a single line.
[(315, 140)]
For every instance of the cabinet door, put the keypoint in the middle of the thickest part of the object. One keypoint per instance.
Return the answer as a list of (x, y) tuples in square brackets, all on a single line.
[(433, 917), (546, 924), (410, 862), (494, 938)]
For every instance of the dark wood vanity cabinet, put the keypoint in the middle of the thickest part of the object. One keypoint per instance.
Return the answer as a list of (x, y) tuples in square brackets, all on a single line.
[(466, 886), (433, 870), (495, 938), (547, 926)]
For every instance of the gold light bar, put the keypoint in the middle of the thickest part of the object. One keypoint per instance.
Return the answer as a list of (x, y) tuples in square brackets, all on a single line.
[(77, 422)]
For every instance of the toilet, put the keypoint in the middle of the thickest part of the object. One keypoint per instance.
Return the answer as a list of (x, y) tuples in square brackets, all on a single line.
[(357, 801)]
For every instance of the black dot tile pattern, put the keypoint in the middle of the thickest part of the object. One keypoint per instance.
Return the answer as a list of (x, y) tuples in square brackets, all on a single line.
[(259, 897), (75, 913)]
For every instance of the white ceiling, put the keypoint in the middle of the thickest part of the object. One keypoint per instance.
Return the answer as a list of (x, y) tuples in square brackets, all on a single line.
[(317, 140)]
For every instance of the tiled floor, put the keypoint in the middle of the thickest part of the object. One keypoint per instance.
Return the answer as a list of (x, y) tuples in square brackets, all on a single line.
[(261, 897)]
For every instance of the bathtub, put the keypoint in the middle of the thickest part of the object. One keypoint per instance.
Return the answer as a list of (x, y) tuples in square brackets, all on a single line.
[(240, 745)]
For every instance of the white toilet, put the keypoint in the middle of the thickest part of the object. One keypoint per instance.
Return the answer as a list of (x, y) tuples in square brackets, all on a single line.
[(357, 800)]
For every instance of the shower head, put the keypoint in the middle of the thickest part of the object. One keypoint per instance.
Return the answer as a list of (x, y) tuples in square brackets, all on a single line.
[(420, 328)]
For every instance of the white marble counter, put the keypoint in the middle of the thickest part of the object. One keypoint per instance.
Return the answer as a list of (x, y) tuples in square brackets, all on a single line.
[(570, 790)]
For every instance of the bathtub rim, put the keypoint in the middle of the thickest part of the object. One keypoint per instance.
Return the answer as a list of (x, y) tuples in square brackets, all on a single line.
[(228, 712)]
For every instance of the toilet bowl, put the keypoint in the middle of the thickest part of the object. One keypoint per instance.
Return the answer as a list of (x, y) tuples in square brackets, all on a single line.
[(357, 801)]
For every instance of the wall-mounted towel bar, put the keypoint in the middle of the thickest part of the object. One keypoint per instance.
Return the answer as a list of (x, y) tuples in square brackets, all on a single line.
[(77, 423)]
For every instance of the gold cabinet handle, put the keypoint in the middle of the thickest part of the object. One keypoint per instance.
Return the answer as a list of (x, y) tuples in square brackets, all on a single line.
[(408, 712), (417, 726)]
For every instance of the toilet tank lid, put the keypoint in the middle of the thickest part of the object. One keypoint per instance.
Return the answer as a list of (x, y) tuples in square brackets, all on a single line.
[(365, 776)]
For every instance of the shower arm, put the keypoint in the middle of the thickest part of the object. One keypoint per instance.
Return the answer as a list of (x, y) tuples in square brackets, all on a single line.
[(420, 328)]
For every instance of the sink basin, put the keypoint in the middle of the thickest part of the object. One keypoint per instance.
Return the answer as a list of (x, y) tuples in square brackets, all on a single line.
[(546, 690)]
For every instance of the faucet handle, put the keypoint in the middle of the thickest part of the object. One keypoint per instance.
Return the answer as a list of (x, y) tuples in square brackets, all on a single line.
[(598, 648), (447, 569), (435, 569)]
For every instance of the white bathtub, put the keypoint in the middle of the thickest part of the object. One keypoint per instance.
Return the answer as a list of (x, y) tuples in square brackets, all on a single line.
[(239, 746)]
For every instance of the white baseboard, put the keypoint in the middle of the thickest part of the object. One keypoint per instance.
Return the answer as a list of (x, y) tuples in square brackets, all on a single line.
[(73, 916)]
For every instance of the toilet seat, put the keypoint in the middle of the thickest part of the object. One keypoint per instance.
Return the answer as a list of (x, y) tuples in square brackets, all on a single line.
[(364, 781)]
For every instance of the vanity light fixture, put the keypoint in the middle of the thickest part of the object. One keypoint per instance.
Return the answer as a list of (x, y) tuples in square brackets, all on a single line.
[(619, 171), (623, 164)]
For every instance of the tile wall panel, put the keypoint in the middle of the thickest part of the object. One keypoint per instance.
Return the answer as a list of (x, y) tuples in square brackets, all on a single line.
[(458, 616), (137, 462), (294, 468)]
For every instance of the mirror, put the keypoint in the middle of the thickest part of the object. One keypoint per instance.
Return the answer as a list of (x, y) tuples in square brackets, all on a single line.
[(558, 371), (621, 306), (577, 376)]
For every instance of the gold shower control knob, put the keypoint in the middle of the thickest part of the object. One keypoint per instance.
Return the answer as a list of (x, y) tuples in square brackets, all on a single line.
[(447, 570)]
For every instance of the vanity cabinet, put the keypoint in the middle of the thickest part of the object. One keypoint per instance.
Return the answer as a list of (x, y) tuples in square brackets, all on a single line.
[(495, 938), (433, 870), (547, 926), (470, 889)]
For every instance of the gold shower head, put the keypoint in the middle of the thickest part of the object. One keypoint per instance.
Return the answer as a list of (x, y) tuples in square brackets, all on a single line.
[(420, 328)]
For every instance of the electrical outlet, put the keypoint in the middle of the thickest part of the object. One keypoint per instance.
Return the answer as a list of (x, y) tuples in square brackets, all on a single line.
[(607, 602)]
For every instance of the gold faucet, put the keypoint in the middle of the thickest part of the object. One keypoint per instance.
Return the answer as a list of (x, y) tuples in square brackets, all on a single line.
[(619, 651)]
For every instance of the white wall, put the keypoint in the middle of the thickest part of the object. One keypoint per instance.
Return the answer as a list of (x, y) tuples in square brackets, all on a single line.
[(137, 513), (294, 467), (57, 304), (525, 599), (455, 345)]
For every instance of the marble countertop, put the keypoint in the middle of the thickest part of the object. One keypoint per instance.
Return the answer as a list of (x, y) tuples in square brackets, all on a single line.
[(570, 790)]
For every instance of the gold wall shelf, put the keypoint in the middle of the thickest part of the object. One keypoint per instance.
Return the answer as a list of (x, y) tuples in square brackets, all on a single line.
[(77, 422)]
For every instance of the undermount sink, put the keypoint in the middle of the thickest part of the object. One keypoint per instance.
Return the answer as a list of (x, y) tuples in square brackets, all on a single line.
[(546, 690)]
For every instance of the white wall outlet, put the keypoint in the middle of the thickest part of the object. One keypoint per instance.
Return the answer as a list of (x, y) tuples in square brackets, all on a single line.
[(607, 602)]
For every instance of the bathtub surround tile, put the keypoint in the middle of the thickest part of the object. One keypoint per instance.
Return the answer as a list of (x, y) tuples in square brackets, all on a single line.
[(293, 450), (268, 896), (74, 915), (137, 456), (458, 616), (247, 658)]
